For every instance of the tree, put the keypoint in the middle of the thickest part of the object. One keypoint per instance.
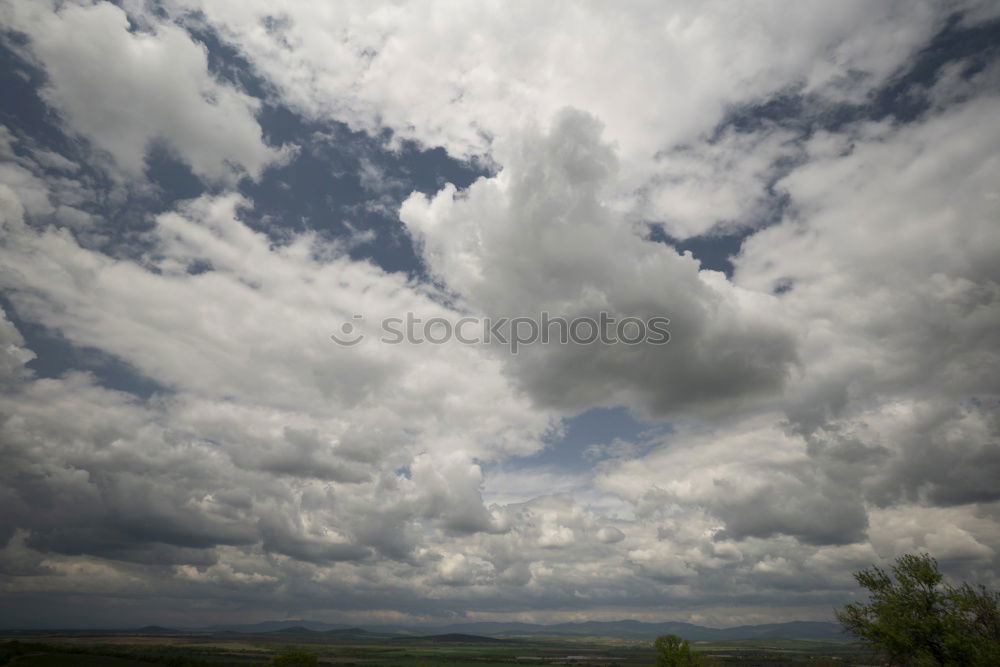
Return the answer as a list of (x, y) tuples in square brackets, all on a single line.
[(914, 619), (672, 651)]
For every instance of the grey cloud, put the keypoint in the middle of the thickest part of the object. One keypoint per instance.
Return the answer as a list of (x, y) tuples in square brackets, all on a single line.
[(895, 394), (539, 237), (836, 516), (14, 354), (951, 456), (308, 456), (279, 539), (610, 535)]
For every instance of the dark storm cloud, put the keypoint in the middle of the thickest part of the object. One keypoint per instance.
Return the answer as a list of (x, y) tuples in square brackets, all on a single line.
[(953, 458), (830, 517)]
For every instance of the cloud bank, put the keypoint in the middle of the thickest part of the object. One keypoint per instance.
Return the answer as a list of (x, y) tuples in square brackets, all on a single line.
[(182, 441)]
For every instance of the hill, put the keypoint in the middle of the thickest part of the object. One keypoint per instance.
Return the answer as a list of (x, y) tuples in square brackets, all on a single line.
[(625, 629)]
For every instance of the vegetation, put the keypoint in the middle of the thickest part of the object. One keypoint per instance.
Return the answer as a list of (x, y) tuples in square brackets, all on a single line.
[(914, 619), (296, 659), (38, 654), (672, 651)]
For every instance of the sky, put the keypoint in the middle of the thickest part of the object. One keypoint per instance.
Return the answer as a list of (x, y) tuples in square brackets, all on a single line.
[(195, 195)]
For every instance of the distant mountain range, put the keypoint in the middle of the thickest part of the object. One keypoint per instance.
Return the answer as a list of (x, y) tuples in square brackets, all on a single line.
[(619, 629), (317, 630)]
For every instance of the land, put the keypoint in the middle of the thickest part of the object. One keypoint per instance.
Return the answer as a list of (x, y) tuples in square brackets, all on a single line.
[(357, 646)]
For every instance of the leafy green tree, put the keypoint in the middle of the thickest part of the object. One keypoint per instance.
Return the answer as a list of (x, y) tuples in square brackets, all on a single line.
[(296, 659), (672, 651), (914, 619)]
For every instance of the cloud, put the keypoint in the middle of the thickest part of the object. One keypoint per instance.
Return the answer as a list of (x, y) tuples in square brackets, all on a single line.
[(275, 306), (893, 414), (896, 348), (236, 453), (448, 75), (717, 186), (539, 237), (610, 535), (125, 89), (446, 84), (831, 404), (14, 354)]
